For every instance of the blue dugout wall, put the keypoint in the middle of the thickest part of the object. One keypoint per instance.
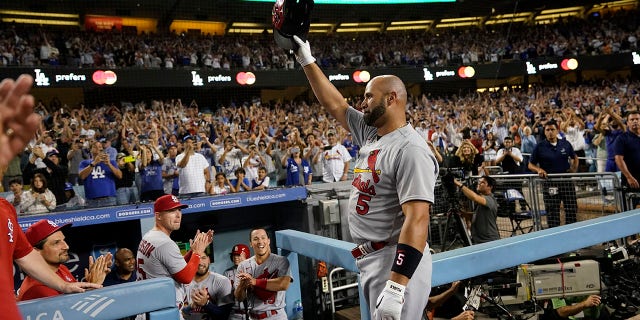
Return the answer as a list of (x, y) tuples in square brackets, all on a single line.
[(157, 296)]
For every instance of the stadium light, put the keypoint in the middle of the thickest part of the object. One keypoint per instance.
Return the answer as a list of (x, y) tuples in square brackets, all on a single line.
[(367, 1), (41, 21), (39, 14)]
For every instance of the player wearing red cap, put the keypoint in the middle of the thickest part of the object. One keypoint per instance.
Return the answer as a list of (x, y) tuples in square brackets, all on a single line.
[(159, 256), (239, 253), (49, 240)]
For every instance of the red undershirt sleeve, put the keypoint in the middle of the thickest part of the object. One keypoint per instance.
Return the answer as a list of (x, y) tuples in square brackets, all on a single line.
[(187, 273), (187, 256)]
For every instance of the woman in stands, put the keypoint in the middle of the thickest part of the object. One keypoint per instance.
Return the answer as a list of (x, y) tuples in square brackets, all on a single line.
[(39, 199), (468, 159)]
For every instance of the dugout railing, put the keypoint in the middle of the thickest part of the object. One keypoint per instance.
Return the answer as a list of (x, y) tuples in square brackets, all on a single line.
[(596, 195)]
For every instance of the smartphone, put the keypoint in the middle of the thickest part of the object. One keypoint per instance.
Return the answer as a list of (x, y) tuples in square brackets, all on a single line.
[(128, 159)]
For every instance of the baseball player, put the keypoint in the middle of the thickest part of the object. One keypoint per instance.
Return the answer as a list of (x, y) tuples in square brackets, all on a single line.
[(209, 295), (158, 256), (263, 279), (239, 252), (393, 189)]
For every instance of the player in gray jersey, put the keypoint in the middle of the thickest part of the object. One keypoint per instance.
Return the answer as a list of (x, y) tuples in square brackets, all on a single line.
[(393, 189), (263, 279), (239, 252), (159, 256), (209, 295)]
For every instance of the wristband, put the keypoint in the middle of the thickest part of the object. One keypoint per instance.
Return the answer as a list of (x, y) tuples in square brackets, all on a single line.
[(406, 260), (395, 288), (261, 283)]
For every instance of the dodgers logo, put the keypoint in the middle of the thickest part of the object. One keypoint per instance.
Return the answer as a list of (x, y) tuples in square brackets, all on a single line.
[(196, 79), (41, 79)]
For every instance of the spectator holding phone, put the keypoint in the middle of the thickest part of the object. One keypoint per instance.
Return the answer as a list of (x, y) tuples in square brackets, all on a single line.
[(170, 171), (126, 190), (99, 175), (75, 155), (298, 169), (193, 170), (229, 157), (150, 168)]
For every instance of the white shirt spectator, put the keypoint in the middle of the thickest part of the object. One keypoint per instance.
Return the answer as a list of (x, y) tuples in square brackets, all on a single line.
[(232, 161), (192, 176), (168, 62), (251, 169), (207, 60), (333, 161), (575, 136), (215, 62)]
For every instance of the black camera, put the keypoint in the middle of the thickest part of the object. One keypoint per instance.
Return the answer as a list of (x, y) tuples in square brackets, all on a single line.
[(449, 185), (448, 182)]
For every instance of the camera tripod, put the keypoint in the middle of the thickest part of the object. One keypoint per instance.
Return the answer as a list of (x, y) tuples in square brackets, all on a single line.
[(455, 231)]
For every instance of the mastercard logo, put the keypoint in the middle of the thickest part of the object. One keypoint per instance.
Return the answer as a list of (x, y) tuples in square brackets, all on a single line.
[(569, 64), (361, 76), (245, 78), (466, 72), (104, 77)]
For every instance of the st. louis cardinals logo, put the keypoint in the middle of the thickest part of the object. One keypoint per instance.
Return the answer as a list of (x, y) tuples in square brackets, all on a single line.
[(269, 297), (10, 227), (366, 188)]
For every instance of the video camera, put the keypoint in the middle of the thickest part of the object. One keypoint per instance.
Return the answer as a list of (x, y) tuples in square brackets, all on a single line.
[(449, 186), (448, 180)]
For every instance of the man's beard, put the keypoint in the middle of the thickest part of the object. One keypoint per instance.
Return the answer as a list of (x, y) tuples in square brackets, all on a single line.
[(375, 114), (202, 272), (64, 257)]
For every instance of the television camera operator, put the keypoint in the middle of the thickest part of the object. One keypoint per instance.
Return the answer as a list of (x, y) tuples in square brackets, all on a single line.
[(483, 219), (589, 307)]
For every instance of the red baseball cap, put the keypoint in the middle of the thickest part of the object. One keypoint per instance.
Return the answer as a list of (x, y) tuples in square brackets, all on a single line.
[(240, 249), (42, 229), (168, 202)]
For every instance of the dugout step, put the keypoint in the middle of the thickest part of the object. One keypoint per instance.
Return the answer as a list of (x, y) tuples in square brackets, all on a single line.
[(352, 313)]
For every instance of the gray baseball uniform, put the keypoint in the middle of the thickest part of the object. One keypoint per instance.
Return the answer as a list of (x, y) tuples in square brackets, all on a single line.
[(237, 311), (390, 170), (262, 300), (220, 293), (159, 256)]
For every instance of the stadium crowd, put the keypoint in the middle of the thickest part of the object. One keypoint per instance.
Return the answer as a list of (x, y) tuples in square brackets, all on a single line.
[(596, 34), (139, 149)]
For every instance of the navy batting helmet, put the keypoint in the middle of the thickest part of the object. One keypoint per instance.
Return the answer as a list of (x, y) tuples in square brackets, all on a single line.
[(291, 18)]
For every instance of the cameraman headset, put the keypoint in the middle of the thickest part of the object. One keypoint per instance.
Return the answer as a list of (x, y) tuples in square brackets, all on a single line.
[(483, 224)]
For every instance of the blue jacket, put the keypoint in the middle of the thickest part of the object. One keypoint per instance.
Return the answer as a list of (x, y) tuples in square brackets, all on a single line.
[(293, 175)]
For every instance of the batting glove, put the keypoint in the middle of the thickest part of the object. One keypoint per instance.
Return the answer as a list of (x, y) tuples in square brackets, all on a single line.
[(303, 54), (390, 302)]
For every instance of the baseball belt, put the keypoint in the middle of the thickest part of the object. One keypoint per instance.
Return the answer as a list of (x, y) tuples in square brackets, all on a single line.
[(367, 248), (263, 315)]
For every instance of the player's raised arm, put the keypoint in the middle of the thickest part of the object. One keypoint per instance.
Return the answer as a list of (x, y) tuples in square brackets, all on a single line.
[(330, 98)]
